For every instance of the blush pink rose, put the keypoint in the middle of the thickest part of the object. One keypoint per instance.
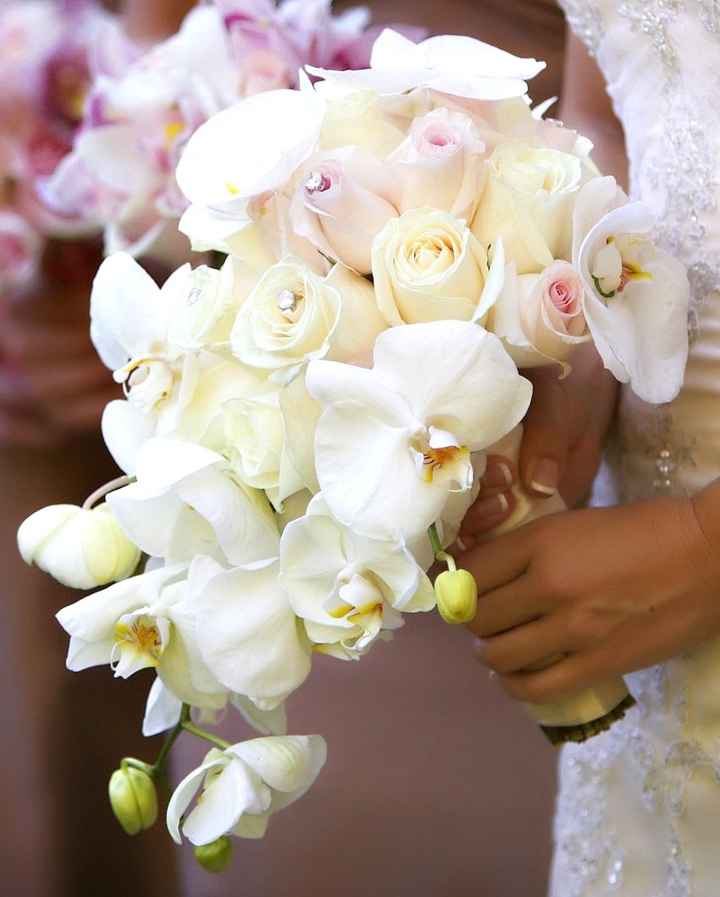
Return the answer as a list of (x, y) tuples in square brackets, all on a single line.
[(344, 200), (439, 165)]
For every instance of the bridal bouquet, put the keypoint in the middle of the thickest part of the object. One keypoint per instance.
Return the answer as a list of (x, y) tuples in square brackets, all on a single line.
[(304, 428), (49, 54)]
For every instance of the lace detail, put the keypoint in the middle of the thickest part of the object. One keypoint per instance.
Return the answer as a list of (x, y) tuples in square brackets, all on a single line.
[(668, 451), (586, 21), (710, 15)]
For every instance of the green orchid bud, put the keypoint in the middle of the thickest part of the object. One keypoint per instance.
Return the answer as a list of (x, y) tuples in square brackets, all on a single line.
[(214, 857), (456, 592), (133, 798)]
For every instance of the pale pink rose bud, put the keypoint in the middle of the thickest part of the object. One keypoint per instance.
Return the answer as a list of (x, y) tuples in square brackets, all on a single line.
[(263, 70), (340, 212), (551, 311), (440, 164)]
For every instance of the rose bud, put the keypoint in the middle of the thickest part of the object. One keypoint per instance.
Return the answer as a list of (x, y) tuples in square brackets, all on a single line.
[(440, 164)]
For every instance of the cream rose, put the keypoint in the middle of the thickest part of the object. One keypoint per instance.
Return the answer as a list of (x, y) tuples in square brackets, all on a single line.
[(439, 164), (427, 266), (360, 119), (206, 302), (540, 317), (293, 316), (528, 201), (257, 446)]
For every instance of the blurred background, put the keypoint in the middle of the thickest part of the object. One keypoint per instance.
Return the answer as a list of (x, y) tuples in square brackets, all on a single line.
[(436, 784)]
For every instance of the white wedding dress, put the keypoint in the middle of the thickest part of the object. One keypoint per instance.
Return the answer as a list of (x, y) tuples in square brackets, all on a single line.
[(639, 807)]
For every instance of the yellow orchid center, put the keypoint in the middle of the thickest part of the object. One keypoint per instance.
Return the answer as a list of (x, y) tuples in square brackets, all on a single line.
[(142, 635), (139, 643), (437, 459), (620, 262)]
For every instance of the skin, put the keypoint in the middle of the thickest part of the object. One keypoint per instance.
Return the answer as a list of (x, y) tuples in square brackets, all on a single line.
[(608, 590)]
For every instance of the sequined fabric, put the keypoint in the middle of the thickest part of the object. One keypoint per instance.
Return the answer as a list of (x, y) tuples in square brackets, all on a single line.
[(638, 805)]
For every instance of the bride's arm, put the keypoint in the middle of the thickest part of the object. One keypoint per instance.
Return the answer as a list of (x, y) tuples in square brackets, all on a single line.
[(568, 420), (586, 107)]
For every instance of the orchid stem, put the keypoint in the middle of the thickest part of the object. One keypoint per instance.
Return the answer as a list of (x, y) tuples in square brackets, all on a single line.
[(170, 741), (207, 736), (117, 483), (437, 548)]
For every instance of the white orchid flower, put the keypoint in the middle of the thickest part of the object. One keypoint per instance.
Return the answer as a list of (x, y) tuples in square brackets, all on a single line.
[(243, 786), (347, 588), (394, 442), (461, 66), (163, 710), (253, 147), (249, 636), (152, 339), (142, 623), (636, 297), (186, 503)]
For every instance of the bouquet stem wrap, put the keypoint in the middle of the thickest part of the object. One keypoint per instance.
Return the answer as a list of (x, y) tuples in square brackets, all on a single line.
[(592, 710)]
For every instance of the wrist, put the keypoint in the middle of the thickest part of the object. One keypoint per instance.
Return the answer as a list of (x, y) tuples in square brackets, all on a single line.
[(706, 511)]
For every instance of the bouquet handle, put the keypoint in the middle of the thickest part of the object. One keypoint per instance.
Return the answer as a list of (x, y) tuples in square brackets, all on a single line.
[(593, 710)]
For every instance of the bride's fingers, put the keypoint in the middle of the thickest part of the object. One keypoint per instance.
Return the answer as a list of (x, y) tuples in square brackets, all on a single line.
[(505, 608), (496, 563), (565, 678), (537, 644), (488, 512)]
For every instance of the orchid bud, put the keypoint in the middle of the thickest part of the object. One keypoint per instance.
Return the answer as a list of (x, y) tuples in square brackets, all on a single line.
[(215, 856), (79, 548), (456, 592), (133, 799)]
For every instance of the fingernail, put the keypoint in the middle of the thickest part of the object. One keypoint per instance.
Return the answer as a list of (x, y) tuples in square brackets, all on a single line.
[(491, 507), (545, 474), (467, 543), (497, 474)]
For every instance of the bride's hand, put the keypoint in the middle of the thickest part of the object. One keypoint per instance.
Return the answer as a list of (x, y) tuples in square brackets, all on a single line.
[(565, 430), (609, 591)]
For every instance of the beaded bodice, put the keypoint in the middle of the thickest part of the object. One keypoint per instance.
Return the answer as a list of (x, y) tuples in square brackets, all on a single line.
[(635, 803)]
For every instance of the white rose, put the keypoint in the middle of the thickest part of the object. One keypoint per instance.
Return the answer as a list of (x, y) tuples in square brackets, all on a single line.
[(257, 446), (80, 548), (428, 266), (528, 201), (207, 302), (293, 316)]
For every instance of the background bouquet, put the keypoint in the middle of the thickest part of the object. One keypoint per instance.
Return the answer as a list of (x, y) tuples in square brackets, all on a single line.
[(304, 428), (50, 53)]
